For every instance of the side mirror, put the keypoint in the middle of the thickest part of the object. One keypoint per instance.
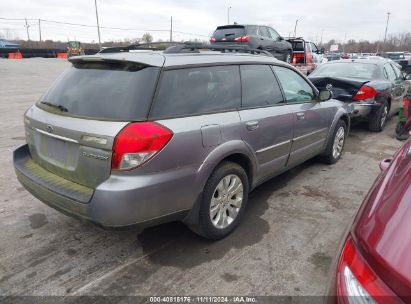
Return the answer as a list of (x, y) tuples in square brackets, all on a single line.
[(320, 51), (325, 95), (280, 38), (407, 77), (385, 163)]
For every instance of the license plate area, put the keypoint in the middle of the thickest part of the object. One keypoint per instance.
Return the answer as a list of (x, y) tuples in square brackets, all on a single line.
[(56, 149)]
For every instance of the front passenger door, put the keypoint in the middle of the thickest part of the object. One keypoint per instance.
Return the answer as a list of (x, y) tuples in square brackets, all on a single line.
[(311, 118), (267, 121)]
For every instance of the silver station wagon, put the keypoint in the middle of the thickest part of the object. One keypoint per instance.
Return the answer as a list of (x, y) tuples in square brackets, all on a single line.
[(139, 138)]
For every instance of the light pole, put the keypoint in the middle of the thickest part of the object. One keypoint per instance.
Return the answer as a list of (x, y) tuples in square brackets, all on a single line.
[(295, 28), (386, 27), (228, 15), (98, 25)]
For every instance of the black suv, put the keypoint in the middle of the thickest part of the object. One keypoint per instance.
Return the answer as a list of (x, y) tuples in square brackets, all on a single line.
[(254, 37)]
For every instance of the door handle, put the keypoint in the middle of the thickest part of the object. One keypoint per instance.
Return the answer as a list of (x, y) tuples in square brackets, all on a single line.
[(300, 116), (251, 125)]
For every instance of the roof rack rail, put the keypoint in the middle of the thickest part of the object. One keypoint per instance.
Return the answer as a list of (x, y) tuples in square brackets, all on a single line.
[(293, 38), (196, 47), (150, 46)]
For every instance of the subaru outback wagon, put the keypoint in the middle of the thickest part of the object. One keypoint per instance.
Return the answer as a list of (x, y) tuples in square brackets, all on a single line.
[(123, 139)]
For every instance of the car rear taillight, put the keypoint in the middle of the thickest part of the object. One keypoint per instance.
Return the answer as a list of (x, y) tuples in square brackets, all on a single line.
[(298, 58), (137, 143), (357, 282), (365, 92), (242, 39), (212, 39)]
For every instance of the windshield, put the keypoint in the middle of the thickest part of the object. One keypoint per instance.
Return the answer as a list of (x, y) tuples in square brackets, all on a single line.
[(108, 91), (347, 69)]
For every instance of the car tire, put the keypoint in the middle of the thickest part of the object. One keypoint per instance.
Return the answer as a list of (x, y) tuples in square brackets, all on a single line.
[(288, 57), (335, 145), (378, 121), (223, 204)]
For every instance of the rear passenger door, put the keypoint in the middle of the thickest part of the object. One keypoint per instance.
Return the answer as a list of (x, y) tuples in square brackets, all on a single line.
[(267, 122), (200, 105), (312, 119), (265, 39), (396, 87)]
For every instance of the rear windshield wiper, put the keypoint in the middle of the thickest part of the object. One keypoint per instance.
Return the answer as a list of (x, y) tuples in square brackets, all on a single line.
[(57, 106)]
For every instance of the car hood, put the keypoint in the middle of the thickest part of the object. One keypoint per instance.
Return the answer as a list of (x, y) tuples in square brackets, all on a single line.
[(382, 228)]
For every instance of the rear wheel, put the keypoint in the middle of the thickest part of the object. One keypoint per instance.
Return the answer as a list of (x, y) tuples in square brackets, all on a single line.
[(377, 123), (224, 199), (335, 145)]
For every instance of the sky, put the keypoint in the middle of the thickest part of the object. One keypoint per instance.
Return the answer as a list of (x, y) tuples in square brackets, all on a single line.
[(337, 19)]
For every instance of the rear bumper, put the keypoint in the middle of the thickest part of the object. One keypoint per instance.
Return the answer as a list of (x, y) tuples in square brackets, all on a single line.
[(363, 111), (120, 201)]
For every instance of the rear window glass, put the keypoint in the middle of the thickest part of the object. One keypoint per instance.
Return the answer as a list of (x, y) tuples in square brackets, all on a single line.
[(229, 32), (260, 87), (298, 46), (104, 91), (347, 69), (197, 91)]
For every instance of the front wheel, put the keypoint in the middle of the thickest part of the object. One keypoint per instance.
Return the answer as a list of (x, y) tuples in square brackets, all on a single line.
[(224, 199), (335, 145)]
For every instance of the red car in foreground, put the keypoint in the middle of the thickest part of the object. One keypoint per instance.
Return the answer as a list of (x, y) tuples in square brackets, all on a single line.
[(374, 265)]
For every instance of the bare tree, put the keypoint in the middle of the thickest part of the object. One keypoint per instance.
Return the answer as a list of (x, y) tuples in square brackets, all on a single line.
[(147, 38)]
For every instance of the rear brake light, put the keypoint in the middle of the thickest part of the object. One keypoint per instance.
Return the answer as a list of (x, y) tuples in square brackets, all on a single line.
[(242, 39), (365, 92), (357, 282), (212, 39), (137, 143)]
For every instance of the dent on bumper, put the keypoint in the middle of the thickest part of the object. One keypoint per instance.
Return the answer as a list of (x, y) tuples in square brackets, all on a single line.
[(362, 110), (122, 200)]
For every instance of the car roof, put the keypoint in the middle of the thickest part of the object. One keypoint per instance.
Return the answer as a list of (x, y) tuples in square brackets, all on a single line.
[(161, 59), (366, 60)]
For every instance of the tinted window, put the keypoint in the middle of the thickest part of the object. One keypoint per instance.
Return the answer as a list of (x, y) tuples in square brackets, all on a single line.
[(389, 72), (347, 69), (259, 85), (264, 32), (273, 34), (105, 91), (198, 91), (298, 46), (252, 30), (295, 87), (229, 32)]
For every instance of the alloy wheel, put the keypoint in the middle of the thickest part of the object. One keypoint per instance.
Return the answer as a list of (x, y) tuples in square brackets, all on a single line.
[(338, 142), (226, 201), (384, 115)]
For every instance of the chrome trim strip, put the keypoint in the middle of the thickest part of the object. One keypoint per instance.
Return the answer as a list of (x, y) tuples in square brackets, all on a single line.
[(56, 136), (309, 134), (274, 146)]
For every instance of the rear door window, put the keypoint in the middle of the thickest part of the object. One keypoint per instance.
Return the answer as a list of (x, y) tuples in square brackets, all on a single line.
[(264, 32), (296, 89), (259, 86), (274, 35), (252, 30), (196, 91), (108, 91), (389, 72)]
